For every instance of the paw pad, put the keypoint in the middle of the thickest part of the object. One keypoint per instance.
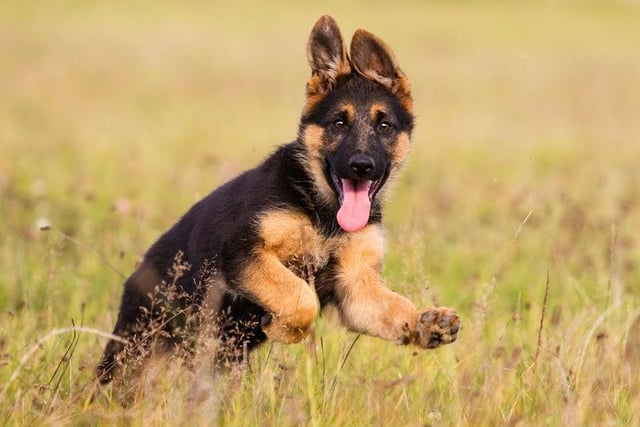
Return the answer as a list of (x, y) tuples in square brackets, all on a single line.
[(436, 327)]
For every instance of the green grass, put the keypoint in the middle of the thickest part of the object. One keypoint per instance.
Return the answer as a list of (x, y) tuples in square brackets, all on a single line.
[(116, 117)]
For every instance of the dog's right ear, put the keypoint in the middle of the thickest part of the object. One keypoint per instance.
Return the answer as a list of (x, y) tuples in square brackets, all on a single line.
[(327, 55)]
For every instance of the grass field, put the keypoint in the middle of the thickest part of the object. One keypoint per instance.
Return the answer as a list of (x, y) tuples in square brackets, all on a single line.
[(520, 206)]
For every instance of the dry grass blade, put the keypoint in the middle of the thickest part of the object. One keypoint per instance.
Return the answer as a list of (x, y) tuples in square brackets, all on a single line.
[(632, 346), (612, 259), (544, 310), (510, 247), (583, 351), (63, 363), (483, 305), (86, 248), (342, 363), (47, 337)]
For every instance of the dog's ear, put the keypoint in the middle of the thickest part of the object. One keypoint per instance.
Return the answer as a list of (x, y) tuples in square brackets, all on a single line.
[(373, 59), (327, 55)]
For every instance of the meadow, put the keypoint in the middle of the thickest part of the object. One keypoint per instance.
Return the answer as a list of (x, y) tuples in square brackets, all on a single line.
[(519, 207)]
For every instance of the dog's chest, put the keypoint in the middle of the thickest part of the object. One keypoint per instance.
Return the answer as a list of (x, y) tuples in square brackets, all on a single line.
[(296, 242)]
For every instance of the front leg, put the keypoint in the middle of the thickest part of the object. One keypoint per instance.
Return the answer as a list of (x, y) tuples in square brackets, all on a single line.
[(291, 303), (366, 305)]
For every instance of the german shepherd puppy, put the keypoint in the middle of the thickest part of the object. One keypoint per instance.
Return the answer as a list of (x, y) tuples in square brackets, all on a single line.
[(269, 249)]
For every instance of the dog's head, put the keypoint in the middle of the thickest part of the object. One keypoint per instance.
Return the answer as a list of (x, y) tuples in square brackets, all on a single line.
[(357, 120)]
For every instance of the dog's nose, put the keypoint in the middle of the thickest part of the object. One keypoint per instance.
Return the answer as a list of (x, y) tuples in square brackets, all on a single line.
[(361, 164)]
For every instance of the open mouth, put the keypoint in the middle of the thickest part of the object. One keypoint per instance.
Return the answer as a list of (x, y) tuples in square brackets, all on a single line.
[(355, 198)]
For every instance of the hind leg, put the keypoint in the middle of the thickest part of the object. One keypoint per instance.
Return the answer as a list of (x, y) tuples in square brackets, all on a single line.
[(133, 319), (129, 319), (240, 325)]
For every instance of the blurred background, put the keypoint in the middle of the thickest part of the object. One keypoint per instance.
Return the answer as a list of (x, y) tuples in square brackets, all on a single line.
[(115, 117)]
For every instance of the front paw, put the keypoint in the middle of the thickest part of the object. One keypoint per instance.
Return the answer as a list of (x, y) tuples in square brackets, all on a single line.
[(278, 330), (436, 327)]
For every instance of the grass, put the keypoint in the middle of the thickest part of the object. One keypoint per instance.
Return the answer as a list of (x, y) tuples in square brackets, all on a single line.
[(520, 206)]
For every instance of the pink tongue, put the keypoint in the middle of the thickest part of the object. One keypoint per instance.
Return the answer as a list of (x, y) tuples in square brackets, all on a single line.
[(353, 215)]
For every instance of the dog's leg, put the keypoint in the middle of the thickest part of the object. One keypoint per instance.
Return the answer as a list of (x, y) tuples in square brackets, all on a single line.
[(128, 317), (239, 329), (135, 305), (292, 304), (367, 306)]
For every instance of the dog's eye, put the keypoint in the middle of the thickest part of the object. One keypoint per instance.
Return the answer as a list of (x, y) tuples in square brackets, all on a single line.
[(385, 126), (339, 123)]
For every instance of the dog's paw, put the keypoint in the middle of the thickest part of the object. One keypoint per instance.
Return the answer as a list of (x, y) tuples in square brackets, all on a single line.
[(436, 327), (279, 331)]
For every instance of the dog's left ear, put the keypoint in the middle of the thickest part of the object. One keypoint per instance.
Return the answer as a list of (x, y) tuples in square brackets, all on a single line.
[(373, 59)]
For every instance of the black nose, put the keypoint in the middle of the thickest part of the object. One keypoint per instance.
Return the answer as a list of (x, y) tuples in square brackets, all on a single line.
[(361, 164)]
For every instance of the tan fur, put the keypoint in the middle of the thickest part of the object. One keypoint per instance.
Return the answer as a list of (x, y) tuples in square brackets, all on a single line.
[(366, 51), (366, 305), (291, 301), (335, 63), (314, 94), (377, 108), (401, 150), (402, 89), (290, 235), (313, 140), (318, 85), (286, 236), (350, 109)]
